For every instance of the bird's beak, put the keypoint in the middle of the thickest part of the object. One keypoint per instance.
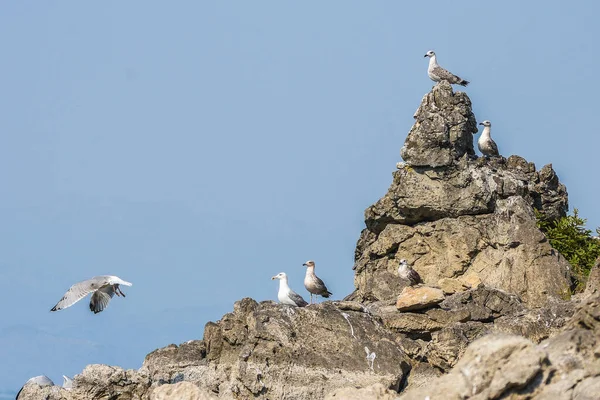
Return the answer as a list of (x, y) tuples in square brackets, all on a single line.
[(273, 278), (425, 55), (304, 265), (481, 123)]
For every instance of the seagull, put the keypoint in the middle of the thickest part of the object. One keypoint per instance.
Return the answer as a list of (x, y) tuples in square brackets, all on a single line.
[(41, 380), (103, 288), (486, 145), (287, 295), (437, 73), (406, 272), (312, 283), (67, 382)]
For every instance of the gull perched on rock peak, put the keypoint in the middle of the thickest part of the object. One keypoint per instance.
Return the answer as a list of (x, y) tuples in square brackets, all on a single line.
[(287, 295), (406, 272), (437, 73), (313, 283), (486, 145), (103, 288)]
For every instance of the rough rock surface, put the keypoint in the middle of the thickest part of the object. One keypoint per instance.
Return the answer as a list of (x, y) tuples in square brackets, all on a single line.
[(468, 217), (180, 391), (451, 285), (272, 351), (443, 131), (97, 382), (417, 298), (373, 392), (566, 366), (593, 284)]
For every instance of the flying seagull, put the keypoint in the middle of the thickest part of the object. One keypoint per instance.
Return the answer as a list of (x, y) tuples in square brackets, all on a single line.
[(437, 73), (486, 145), (41, 380), (406, 272), (312, 283), (103, 288), (287, 295)]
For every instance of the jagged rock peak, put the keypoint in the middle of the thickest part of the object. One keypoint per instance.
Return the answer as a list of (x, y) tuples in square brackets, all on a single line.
[(453, 215), (443, 130)]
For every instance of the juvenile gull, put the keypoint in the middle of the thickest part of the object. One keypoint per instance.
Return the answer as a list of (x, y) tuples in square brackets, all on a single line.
[(103, 287), (41, 380), (312, 283), (437, 73), (287, 295), (486, 145), (406, 272)]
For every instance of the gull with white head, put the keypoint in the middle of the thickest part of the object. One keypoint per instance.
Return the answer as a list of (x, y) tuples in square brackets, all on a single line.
[(103, 288), (406, 272), (286, 295), (486, 145), (437, 73), (313, 283)]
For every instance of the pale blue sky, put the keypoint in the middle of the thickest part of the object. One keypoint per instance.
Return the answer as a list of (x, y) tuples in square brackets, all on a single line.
[(196, 149)]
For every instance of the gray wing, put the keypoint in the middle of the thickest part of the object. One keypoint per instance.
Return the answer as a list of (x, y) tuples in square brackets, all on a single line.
[(321, 288), (296, 298), (78, 291), (414, 277), (445, 75), (494, 148), (101, 298)]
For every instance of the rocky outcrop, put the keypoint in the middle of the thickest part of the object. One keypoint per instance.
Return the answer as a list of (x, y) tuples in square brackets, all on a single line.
[(461, 217), (262, 351), (418, 298), (180, 391), (373, 392), (593, 283), (443, 131), (490, 321), (566, 366), (271, 351), (441, 335)]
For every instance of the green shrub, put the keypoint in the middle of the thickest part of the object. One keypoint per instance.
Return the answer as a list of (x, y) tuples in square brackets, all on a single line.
[(569, 236)]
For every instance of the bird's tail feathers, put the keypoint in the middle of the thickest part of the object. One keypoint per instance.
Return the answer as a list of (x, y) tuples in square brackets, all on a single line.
[(463, 83)]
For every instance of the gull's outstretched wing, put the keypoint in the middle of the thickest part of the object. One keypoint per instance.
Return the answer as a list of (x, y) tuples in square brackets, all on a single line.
[(78, 291), (101, 298)]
